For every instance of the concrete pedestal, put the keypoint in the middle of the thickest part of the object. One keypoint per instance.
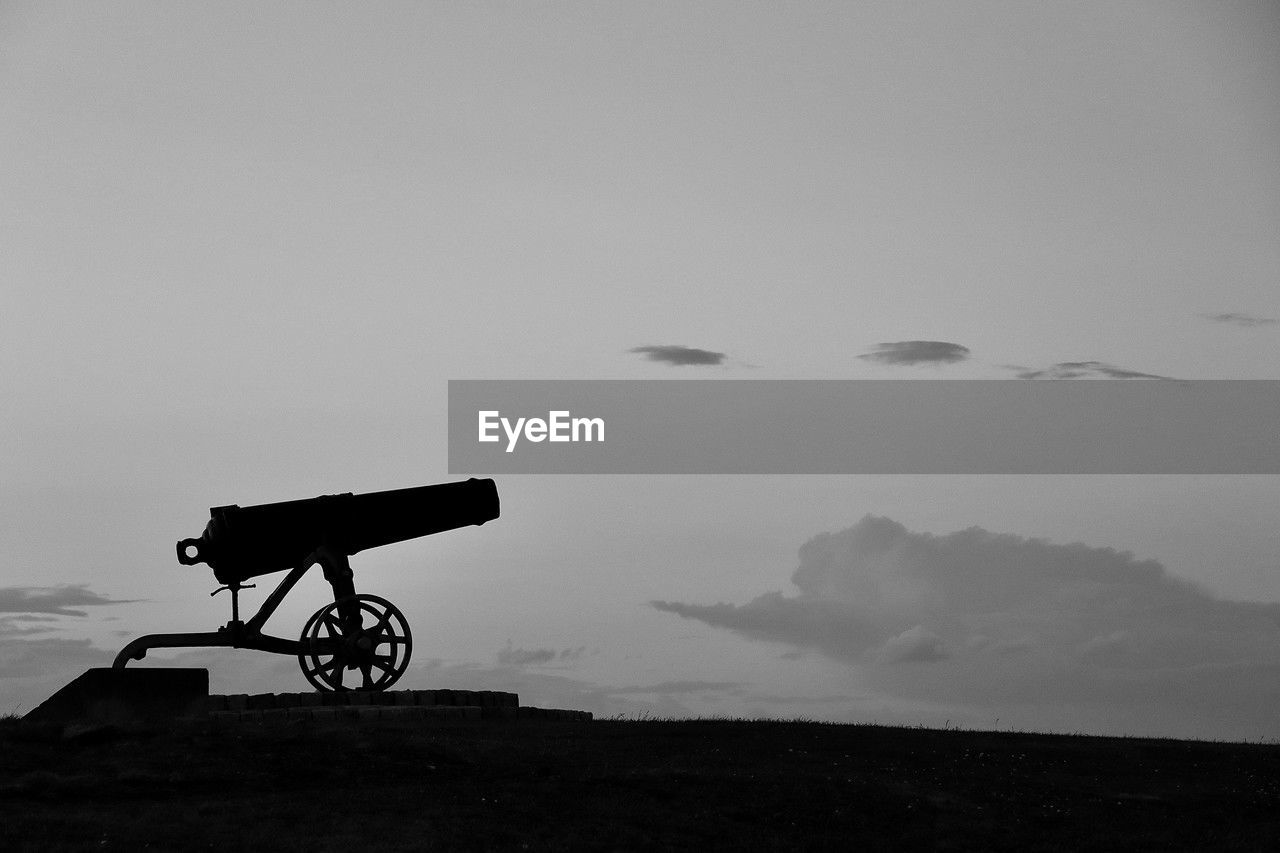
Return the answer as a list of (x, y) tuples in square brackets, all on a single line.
[(135, 694)]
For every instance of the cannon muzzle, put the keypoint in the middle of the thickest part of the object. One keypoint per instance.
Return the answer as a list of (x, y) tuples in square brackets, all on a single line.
[(243, 542)]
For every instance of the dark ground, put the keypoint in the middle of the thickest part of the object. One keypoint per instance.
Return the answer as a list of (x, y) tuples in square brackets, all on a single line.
[(626, 785)]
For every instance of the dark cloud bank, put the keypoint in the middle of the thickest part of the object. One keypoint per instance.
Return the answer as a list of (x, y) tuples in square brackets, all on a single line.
[(1072, 636), (916, 352), (1246, 320), (58, 600), (680, 356)]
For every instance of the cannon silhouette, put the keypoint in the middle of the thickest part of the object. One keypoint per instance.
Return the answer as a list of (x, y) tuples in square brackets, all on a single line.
[(360, 633)]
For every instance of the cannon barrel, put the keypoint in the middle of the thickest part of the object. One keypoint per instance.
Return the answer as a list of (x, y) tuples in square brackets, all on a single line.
[(243, 542)]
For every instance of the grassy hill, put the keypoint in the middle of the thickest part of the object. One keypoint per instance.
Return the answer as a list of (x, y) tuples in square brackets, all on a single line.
[(625, 785)]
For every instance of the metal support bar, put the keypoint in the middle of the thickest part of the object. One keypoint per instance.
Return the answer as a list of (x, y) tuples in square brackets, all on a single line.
[(137, 649), (277, 595), (235, 634)]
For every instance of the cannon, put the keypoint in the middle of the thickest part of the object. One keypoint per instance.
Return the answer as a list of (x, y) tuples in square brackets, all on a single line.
[(363, 633)]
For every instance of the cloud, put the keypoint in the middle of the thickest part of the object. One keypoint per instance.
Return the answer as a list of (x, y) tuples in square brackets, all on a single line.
[(53, 599), (508, 656), (917, 352), (1082, 370), (1004, 620), (1246, 320), (670, 687), (680, 356), (807, 622)]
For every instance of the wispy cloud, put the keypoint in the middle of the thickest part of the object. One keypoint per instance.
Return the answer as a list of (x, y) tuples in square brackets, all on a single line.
[(680, 356), (1082, 370), (917, 352), (58, 600), (1246, 320)]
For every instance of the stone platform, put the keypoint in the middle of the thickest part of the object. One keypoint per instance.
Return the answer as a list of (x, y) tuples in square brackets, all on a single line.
[(157, 694), (385, 705)]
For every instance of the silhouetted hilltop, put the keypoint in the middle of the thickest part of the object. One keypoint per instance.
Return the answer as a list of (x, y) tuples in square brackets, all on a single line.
[(624, 785)]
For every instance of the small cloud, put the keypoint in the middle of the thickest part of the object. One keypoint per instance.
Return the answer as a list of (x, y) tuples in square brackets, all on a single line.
[(914, 645), (917, 352), (680, 356), (509, 656), (58, 600), (1082, 370), (1247, 320)]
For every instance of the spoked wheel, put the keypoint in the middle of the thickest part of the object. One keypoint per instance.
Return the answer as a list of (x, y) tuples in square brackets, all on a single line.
[(363, 633)]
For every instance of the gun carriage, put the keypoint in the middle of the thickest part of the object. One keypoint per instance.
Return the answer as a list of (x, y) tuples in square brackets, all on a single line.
[(362, 633)]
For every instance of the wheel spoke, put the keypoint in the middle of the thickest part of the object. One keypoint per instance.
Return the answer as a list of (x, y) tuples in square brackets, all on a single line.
[(383, 621), (387, 640), (329, 673), (333, 665), (321, 673)]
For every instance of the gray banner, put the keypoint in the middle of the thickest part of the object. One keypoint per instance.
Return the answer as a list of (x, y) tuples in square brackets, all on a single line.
[(864, 427)]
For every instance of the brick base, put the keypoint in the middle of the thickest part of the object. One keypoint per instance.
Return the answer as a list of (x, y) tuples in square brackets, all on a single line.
[(386, 705)]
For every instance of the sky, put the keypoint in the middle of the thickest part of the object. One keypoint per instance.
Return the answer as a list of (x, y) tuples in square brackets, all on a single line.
[(244, 246)]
